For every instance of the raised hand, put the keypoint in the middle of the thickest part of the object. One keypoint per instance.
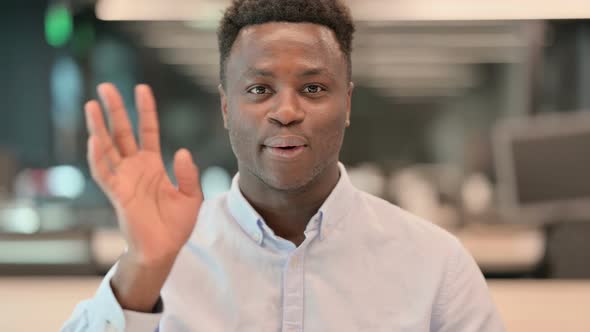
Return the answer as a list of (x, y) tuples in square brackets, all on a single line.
[(155, 217)]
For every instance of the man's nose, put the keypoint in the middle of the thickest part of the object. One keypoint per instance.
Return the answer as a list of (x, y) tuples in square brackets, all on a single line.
[(287, 110)]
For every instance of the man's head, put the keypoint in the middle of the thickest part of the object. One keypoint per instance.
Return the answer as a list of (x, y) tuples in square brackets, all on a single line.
[(242, 13), (286, 89)]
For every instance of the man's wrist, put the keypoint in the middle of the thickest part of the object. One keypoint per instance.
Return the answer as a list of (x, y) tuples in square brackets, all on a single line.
[(137, 286)]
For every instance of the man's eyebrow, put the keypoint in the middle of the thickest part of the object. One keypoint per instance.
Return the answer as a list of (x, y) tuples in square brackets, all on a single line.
[(255, 72), (259, 72), (315, 72)]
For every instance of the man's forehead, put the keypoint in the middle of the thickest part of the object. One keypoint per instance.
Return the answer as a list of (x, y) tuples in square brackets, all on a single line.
[(286, 35), (309, 47), (268, 28)]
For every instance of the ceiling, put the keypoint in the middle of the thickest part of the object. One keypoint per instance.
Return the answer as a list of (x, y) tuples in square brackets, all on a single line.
[(400, 59), (401, 48)]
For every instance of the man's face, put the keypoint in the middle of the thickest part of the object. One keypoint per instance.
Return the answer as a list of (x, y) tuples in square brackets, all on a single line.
[(286, 102)]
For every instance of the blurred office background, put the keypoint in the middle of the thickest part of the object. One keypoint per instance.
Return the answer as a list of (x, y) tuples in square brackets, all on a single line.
[(473, 115)]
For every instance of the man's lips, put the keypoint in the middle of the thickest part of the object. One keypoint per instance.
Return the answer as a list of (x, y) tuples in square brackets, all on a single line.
[(288, 141), (285, 153), (285, 147)]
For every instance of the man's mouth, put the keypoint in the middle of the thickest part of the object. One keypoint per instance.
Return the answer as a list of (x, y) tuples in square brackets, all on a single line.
[(288, 147), (285, 141), (285, 152), (285, 146)]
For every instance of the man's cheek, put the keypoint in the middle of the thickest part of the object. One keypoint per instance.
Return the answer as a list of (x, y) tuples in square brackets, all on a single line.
[(332, 138)]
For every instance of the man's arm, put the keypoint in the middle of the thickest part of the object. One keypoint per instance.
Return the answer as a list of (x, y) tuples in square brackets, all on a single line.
[(156, 217), (104, 313)]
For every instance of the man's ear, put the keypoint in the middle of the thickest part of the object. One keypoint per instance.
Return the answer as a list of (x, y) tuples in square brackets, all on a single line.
[(223, 100), (349, 102)]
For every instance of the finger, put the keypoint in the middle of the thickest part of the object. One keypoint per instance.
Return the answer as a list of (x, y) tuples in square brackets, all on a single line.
[(99, 165), (96, 127), (121, 127), (149, 132), (187, 173)]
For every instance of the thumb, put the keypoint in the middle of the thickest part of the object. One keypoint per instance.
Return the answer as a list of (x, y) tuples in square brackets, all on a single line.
[(186, 173)]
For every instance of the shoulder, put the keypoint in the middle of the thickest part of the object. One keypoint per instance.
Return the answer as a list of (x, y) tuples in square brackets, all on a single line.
[(406, 228), (213, 206), (212, 218)]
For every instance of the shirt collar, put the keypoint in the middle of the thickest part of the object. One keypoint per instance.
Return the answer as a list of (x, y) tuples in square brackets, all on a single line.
[(336, 206), (243, 212)]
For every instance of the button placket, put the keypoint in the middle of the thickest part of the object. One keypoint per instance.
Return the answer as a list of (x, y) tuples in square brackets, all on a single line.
[(293, 291), (294, 283), (293, 295)]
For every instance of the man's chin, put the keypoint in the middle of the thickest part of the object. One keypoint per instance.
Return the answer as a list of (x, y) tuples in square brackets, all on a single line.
[(287, 185), (288, 182), (292, 179)]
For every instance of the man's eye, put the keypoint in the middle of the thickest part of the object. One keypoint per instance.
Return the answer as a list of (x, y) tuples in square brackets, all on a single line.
[(258, 90), (313, 88)]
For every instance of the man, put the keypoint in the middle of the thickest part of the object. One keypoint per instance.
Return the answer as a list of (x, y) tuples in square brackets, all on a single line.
[(293, 246)]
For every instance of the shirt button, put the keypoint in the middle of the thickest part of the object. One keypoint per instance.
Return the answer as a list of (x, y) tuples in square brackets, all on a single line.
[(256, 237)]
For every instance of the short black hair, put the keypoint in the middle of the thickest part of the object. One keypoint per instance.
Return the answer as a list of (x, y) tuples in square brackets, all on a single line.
[(241, 13)]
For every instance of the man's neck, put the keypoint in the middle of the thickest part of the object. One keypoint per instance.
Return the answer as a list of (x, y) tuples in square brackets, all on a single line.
[(287, 213)]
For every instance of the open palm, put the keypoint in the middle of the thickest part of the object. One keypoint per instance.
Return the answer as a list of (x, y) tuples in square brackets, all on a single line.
[(155, 217)]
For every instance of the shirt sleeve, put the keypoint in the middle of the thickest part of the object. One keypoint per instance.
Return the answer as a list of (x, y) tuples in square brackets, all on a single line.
[(464, 302), (103, 313)]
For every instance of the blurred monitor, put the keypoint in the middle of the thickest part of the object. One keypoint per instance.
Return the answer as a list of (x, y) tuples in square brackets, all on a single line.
[(543, 167)]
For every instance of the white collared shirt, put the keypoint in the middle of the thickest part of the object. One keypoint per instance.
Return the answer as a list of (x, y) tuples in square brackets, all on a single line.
[(365, 265)]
